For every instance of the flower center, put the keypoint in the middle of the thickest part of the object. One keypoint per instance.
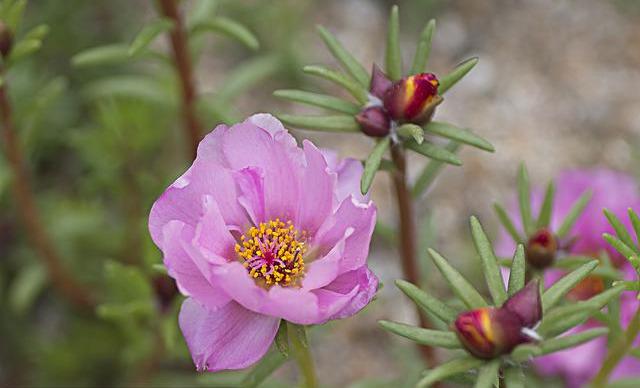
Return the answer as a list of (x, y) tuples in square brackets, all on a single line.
[(272, 253)]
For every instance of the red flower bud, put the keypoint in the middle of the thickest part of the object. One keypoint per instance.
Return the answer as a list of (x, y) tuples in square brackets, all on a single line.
[(374, 121), (541, 249), (526, 304), (488, 332), (380, 83), (413, 99), (6, 40)]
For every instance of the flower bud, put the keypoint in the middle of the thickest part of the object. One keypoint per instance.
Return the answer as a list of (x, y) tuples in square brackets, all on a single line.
[(541, 249), (374, 121), (6, 40), (526, 304), (165, 289), (413, 99), (488, 332), (380, 83)]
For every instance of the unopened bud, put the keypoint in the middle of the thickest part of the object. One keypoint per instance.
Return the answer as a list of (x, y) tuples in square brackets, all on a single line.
[(541, 249), (374, 121), (413, 99), (380, 83), (526, 304), (488, 332), (6, 40)]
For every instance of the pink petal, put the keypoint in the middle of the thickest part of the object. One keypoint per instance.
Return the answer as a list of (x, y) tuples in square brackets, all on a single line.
[(317, 185), (248, 146), (324, 270), (350, 214), (190, 272), (290, 303), (212, 234), (250, 181), (367, 284), (349, 174), (229, 337), (183, 200)]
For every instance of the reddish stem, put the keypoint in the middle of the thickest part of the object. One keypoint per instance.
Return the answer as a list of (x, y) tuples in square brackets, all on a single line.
[(182, 60), (407, 240), (62, 280)]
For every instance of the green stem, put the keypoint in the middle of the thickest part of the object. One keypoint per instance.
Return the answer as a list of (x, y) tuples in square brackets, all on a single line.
[(302, 354), (618, 351)]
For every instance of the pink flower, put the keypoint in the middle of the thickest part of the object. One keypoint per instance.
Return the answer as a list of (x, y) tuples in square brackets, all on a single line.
[(617, 192), (258, 230)]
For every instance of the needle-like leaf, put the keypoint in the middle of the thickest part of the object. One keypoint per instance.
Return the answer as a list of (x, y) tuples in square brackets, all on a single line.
[(544, 218), (322, 123), (518, 270), (456, 75), (411, 131), (348, 62), (488, 376), (448, 369), (458, 134), (437, 338), (354, 88), (424, 48), (431, 151), (506, 222), (148, 33), (431, 170), (554, 293), (459, 285), (620, 229), (319, 100), (230, 28), (427, 302), (574, 213), (373, 163), (524, 200), (393, 57), (490, 266)]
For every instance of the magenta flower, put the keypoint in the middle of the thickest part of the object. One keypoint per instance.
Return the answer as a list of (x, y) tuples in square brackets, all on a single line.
[(258, 230), (617, 192)]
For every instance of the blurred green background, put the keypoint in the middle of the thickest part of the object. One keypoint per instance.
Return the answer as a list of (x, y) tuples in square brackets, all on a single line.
[(556, 86)]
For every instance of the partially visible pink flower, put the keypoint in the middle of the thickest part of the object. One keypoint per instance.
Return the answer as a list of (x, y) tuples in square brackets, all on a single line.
[(258, 230), (617, 192)]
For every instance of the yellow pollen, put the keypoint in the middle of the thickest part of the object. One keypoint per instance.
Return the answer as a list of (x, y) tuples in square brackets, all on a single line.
[(272, 252)]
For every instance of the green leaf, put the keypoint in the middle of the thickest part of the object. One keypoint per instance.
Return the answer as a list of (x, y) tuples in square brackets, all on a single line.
[(629, 285), (348, 62), (431, 151), (459, 285), (635, 221), (488, 376), (620, 229), (282, 339), (248, 74), (621, 247), (148, 34), (319, 100), (411, 131), (230, 28), (393, 56), (25, 288), (456, 75), (102, 55), (436, 338), (13, 15), (524, 200), (490, 267), (373, 163), (554, 293), (387, 232), (265, 367), (427, 302), (201, 11), (458, 134), (137, 87), (355, 89), (514, 377), (431, 170), (448, 369), (570, 341), (518, 270), (37, 33), (322, 123), (506, 222), (544, 218), (630, 382), (160, 269), (23, 49), (423, 50), (574, 213)]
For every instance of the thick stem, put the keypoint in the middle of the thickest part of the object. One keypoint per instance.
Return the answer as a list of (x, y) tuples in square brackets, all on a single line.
[(408, 242), (62, 280), (618, 351), (302, 354), (184, 68)]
